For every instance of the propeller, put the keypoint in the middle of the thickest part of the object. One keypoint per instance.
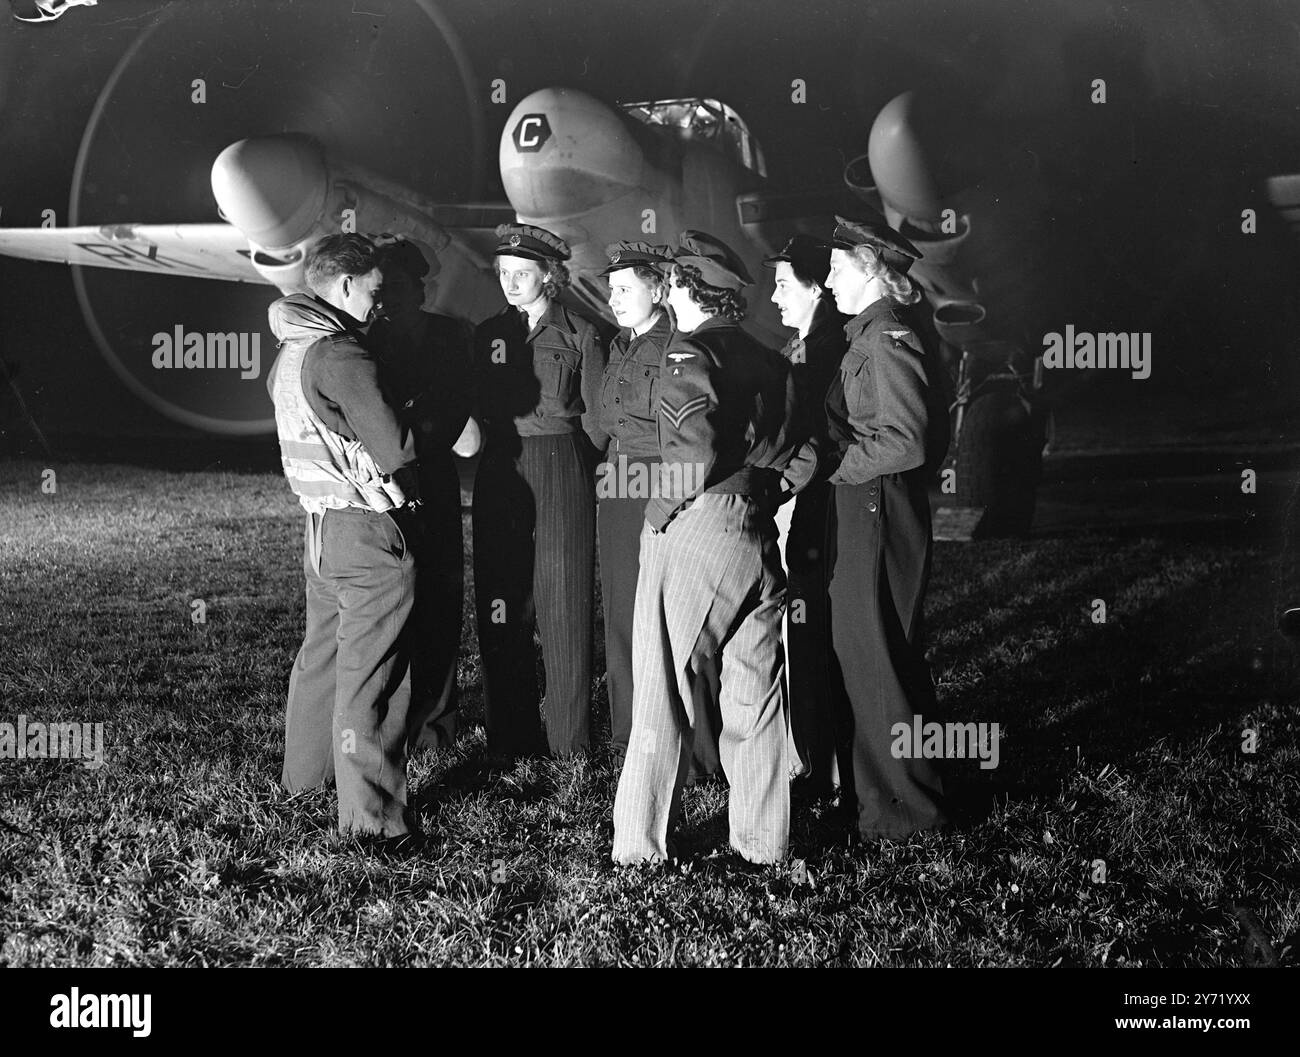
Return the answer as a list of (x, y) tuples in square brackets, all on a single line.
[(391, 88)]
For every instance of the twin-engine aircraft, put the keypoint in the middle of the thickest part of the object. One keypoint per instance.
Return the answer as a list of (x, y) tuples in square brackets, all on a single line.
[(590, 172)]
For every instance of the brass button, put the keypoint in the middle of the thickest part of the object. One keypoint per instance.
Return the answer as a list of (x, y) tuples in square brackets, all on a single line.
[(873, 490), (872, 507)]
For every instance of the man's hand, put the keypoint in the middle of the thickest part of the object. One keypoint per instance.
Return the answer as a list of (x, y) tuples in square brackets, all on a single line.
[(408, 481)]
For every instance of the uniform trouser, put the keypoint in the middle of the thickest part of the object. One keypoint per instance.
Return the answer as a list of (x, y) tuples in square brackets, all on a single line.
[(439, 607), (619, 520), (349, 692), (801, 526), (710, 584), (534, 565), (880, 568)]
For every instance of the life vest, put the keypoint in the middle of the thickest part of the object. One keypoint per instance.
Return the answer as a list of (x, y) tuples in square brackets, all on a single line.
[(326, 470)]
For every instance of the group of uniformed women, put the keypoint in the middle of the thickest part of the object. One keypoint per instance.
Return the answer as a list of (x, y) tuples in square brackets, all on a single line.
[(553, 406)]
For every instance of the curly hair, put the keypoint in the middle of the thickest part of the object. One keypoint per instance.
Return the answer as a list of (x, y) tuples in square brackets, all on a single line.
[(335, 255), (555, 277), (897, 286), (729, 304)]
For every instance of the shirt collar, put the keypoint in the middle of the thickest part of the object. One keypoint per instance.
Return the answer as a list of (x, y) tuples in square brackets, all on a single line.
[(556, 316), (825, 317), (711, 323), (658, 333), (882, 306)]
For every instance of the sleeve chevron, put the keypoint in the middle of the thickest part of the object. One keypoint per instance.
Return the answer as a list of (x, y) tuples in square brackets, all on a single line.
[(678, 415)]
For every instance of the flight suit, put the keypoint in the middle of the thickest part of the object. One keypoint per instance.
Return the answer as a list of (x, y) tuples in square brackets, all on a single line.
[(814, 362), (534, 521), (889, 427), (629, 415), (711, 583), (432, 379)]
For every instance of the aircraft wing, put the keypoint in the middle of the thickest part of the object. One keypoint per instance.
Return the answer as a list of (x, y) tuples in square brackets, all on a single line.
[(783, 210), (200, 251), (472, 226)]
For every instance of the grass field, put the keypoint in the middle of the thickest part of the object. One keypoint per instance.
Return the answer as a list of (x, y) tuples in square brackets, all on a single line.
[(1121, 742)]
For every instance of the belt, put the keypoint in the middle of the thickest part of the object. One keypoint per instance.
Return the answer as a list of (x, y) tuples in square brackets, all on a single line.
[(752, 480), (630, 450)]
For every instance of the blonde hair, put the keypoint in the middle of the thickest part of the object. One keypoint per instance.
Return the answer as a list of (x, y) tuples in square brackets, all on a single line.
[(897, 286)]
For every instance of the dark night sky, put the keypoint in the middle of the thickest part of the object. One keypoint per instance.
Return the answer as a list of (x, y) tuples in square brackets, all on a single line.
[(1145, 193)]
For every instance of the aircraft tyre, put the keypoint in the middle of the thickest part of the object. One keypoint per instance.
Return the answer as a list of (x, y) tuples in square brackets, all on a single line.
[(999, 464)]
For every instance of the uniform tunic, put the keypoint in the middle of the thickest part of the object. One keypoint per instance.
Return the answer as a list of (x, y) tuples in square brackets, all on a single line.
[(630, 416), (711, 584), (431, 375), (886, 418), (814, 361), (535, 524)]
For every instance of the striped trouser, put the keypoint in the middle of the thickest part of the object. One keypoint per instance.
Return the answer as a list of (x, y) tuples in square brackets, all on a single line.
[(535, 566), (619, 521), (711, 583)]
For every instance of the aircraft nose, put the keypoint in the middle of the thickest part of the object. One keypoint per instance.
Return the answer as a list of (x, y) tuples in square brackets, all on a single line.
[(564, 152), (272, 188)]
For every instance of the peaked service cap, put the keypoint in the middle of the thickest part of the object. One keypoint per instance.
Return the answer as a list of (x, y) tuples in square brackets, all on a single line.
[(631, 254), (718, 264), (808, 255), (525, 240), (894, 250)]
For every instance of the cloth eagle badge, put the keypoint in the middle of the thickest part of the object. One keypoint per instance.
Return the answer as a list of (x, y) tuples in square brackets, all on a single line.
[(677, 358)]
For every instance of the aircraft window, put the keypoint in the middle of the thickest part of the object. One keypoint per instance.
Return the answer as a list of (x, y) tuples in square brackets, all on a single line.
[(708, 119)]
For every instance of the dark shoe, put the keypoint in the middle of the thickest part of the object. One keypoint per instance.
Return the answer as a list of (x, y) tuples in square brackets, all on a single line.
[(807, 790)]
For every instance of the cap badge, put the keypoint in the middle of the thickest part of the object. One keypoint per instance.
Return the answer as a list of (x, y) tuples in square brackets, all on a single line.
[(514, 240)]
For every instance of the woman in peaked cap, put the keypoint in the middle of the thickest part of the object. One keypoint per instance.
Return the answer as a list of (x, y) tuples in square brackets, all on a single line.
[(711, 583), (814, 353), (629, 415), (888, 429), (539, 368)]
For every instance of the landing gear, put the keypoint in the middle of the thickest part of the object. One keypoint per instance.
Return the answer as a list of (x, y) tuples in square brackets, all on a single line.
[(1000, 426)]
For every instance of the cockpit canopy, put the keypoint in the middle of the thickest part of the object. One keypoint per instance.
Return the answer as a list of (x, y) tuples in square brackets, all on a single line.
[(703, 119)]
